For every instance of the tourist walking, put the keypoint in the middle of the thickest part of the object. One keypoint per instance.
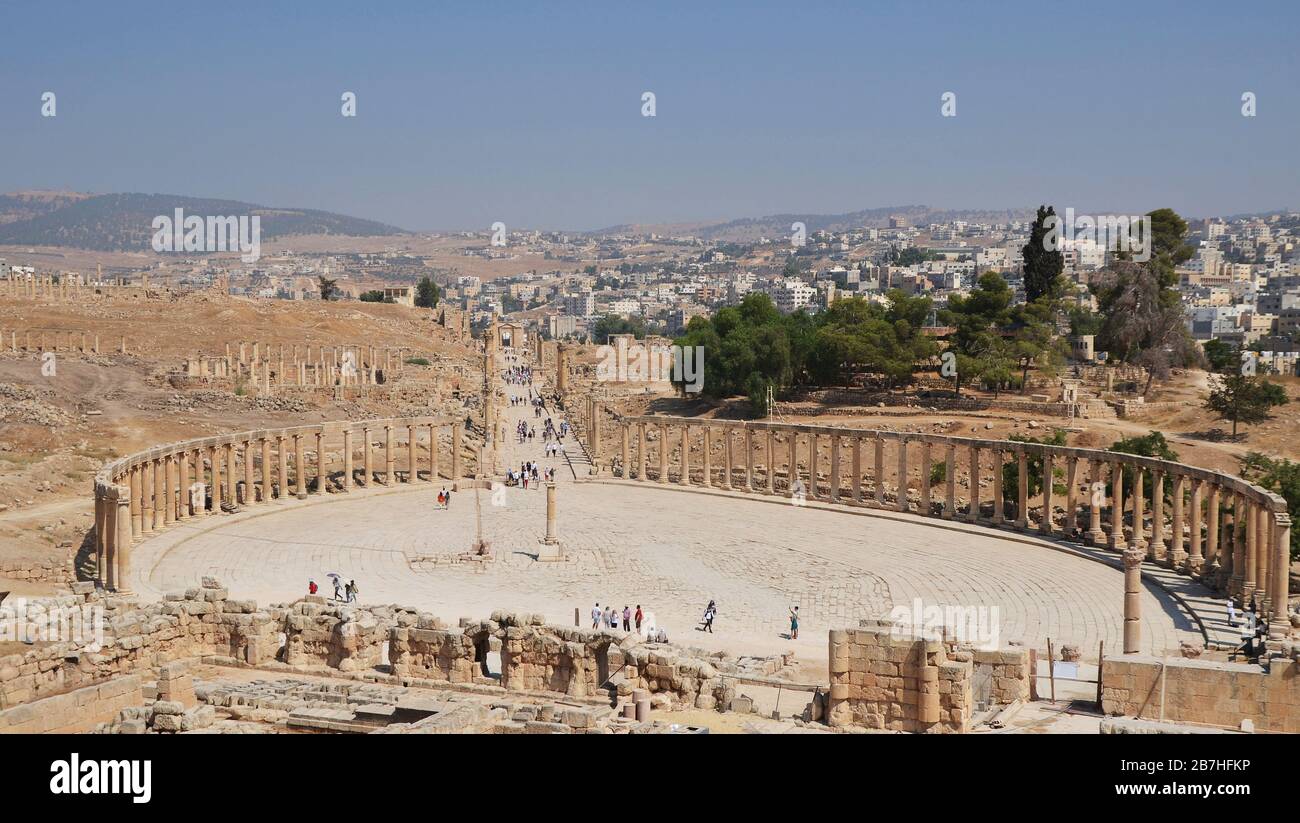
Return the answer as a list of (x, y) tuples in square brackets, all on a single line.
[(638, 618), (710, 612), (794, 623), (627, 619), (595, 616), (311, 587)]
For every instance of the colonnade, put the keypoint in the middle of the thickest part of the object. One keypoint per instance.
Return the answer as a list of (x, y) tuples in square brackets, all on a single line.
[(144, 493), (1233, 536)]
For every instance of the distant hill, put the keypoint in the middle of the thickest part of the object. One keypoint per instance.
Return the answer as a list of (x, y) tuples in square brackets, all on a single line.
[(748, 229), (123, 222)]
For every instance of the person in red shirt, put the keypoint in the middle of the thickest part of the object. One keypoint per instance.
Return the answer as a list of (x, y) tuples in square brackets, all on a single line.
[(311, 587)]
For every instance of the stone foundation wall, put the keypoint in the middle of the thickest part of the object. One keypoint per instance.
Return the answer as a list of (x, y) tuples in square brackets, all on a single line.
[(202, 621), (338, 636), (49, 570), (1010, 674), (881, 680), (430, 651), (77, 711), (1202, 691)]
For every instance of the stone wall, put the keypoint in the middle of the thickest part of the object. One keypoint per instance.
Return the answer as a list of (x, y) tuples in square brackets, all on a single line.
[(76, 711), (883, 680), (202, 621), (318, 633), (46, 570), (1009, 674), (1202, 691)]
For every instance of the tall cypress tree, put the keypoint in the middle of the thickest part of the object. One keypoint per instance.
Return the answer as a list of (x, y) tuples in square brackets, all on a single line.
[(1043, 267)]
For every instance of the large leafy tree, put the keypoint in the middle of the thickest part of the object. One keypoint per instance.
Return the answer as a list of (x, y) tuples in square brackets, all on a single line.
[(1244, 399), (1142, 316)]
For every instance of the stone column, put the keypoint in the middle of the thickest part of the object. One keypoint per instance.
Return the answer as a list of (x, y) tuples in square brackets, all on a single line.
[(214, 469), (299, 466), (282, 468), (902, 474), (412, 440), (813, 468), (771, 462), (685, 478), (856, 483), (137, 518), (552, 536), (1132, 601), (749, 458), (250, 492), (264, 446), (101, 538), (626, 453), (642, 457), (835, 468), (390, 461), (169, 489), (880, 471), (1071, 497), (433, 452), (1195, 564), (663, 452), (455, 455), (1175, 557), (1195, 519), (1249, 580), (950, 487), (793, 470), (122, 539), (925, 477), (231, 477), (347, 458), (728, 456), (973, 512), (1045, 525), (1022, 490), (1280, 625), (999, 498), (1117, 507), (1139, 540), (322, 471), (706, 442), (1263, 536), (1236, 581), (1229, 576), (1156, 545), (159, 494)]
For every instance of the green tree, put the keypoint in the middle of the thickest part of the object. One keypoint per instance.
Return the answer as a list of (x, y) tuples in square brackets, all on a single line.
[(329, 289), (1042, 265), (375, 296), (1221, 356), (1244, 399), (427, 293)]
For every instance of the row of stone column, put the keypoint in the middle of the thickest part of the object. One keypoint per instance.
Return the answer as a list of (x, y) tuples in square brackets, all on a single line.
[(196, 480), (70, 340), (1233, 541)]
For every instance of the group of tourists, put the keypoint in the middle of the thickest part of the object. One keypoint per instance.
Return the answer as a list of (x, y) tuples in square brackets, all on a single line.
[(612, 618), (524, 433), (444, 498), (519, 375), (344, 592)]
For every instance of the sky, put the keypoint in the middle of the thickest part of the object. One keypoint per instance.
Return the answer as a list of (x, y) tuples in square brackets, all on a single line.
[(531, 113)]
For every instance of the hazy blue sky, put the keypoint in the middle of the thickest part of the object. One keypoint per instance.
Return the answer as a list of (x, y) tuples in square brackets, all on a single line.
[(472, 112)]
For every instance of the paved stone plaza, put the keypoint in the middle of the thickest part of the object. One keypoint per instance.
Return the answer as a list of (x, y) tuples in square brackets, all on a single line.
[(671, 551)]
